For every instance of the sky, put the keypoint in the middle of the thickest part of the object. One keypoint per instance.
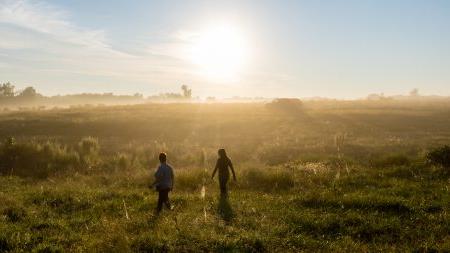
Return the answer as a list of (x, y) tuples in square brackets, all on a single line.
[(260, 48)]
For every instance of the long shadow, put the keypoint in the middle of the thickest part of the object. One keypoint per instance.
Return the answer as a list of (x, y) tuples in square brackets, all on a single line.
[(153, 220), (225, 210)]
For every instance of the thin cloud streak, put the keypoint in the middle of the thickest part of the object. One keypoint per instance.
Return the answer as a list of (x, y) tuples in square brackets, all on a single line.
[(47, 19)]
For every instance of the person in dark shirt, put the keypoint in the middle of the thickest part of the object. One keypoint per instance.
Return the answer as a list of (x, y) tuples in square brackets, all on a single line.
[(163, 182), (223, 163)]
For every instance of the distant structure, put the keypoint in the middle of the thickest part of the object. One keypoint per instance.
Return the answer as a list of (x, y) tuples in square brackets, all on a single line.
[(375, 97), (414, 93), (289, 105)]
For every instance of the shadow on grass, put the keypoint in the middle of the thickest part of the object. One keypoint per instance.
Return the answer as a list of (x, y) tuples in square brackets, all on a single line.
[(225, 210), (153, 220), (385, 206)]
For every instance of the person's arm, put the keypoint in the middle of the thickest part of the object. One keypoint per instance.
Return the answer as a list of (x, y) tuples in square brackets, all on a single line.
[(232, 170), (215, 169), (157, 177)]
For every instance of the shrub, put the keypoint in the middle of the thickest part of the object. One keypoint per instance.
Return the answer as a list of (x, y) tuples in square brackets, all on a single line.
[(88, 149), (35, 159), (440, 156)]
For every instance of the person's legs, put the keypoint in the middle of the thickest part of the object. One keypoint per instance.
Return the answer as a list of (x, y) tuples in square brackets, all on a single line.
[(166, 200), (161, 200), (223, 187)]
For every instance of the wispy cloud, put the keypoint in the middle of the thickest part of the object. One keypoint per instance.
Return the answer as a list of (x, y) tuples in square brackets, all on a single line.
[(47, 19)]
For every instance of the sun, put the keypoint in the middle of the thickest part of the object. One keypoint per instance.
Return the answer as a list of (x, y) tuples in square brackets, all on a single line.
[(220, 52)]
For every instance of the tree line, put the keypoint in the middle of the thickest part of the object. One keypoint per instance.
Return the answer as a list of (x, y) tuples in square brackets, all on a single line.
[(9, 95), (7, 90)]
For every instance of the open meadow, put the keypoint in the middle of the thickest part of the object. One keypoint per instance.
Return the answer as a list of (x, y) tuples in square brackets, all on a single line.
[(314, 176)]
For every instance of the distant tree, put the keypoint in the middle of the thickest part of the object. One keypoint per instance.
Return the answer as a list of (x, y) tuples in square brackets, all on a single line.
[(414, 93), (29, 92), (187, 93), (7, 90)]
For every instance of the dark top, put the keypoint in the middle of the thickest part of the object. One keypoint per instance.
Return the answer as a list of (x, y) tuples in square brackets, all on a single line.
[(222, 165), (164, 177)]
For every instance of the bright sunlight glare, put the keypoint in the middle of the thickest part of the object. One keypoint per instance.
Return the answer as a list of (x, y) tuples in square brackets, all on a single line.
[(220, 52)]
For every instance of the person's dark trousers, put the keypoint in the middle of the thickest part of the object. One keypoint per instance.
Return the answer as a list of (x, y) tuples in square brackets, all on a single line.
[(223, 186), (163, 198)]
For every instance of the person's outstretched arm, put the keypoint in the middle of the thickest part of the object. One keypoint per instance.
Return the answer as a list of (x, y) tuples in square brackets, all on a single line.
[(215, 169), (232, 170)]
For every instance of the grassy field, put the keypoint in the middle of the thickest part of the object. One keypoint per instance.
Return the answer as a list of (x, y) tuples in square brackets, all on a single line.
[(327, 176)]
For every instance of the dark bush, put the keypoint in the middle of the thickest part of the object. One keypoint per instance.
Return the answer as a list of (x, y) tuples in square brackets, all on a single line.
[(440, 156), (289, 105)]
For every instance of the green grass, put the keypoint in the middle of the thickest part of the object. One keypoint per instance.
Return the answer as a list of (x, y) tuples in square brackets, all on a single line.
[(364, 210)]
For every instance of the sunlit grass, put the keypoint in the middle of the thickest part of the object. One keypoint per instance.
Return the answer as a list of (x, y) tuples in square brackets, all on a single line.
[(300, 187), (362, 211)]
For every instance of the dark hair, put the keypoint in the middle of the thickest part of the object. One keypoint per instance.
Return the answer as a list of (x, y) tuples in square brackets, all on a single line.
[(222, 153), (162, 157)]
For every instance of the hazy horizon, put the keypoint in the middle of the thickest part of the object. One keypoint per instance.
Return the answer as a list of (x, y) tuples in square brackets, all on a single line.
[(333, 49)]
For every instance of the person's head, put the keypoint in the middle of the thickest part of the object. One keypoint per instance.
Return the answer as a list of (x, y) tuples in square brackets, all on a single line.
[(222, 153), (162, 157)]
